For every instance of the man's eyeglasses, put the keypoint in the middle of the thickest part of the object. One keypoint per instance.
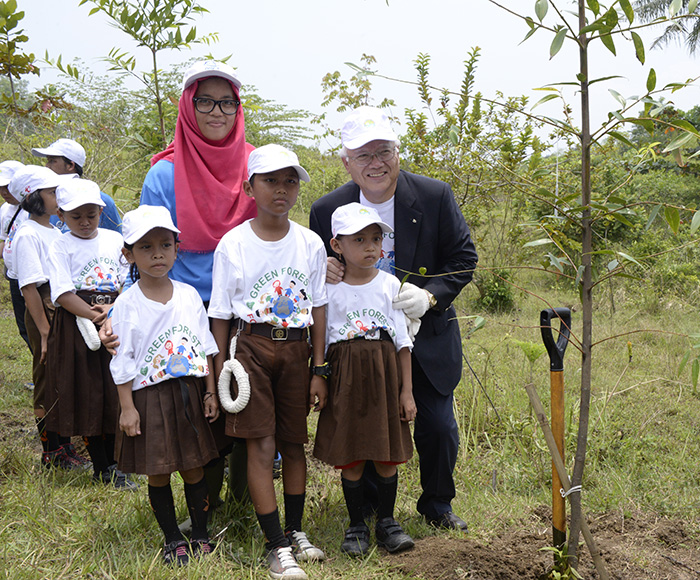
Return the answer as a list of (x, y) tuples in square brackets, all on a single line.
[(227, 106), (364, 159)]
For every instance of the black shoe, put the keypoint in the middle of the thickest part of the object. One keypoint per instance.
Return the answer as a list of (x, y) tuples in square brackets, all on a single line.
[(201, 548), (176, 553), (391, 537), (356, 541), (448, 521), (116, 478)]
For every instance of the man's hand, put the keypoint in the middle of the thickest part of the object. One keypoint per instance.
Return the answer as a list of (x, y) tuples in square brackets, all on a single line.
[(335, 271), (412, 300)]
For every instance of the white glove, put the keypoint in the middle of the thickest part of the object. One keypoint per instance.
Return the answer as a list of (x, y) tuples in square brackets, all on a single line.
[(412, 300), (413, 325)]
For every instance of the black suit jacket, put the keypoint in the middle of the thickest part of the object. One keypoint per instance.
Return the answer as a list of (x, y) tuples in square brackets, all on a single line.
[(430, 232)]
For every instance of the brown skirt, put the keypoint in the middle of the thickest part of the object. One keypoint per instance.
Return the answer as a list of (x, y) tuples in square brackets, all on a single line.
[(82, 398), (175, 434), (361, 420), (39, 376)]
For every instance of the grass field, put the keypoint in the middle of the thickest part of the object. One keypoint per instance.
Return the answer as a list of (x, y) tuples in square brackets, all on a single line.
[(643, 444)]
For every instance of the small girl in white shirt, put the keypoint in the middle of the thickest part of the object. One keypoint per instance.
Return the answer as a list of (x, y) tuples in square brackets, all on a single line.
[(35, 188), (370, 398), (87, 271), (162, 371)]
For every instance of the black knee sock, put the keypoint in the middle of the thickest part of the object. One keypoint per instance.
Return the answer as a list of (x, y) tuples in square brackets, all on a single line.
[(49, 439), (96, 448), (108, 442), (163, 507), (293, 511), (270, 524), (63, 440), (198, 505), (354, 493), (386, 490)]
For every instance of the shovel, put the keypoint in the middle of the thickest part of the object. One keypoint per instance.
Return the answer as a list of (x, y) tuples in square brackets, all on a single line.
[(556, 350)]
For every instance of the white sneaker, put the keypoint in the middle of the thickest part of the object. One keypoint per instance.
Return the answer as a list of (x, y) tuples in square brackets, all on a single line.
[(303, 549), (283, 565)]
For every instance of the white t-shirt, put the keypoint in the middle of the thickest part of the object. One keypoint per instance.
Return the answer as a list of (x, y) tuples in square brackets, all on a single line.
[(7, 212), (95, 265), (363, 310), (387, 261), (269, 282), (30, 258), (158, 342)]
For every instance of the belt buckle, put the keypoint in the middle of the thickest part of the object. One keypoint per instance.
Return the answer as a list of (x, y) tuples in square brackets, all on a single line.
[(279, 334), (99, 299)]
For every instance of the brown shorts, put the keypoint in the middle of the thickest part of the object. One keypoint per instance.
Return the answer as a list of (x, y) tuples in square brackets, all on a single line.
[(279, 389)]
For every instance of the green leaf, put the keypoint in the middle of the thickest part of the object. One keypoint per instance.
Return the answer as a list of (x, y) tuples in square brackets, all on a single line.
[(627, 9), (686, 125), (628, 258), (618, 97), (682, 140), (541, 7), (556, 262), (607, 41), (557, 42), (594, 6), (623, 220), (544, 100), (692, 5), (579, 275), (638, 47), (675, 7), (651, 80), (673, 218), (541, 242), (694, 372), (612, 265), (695, 224), (601, 79)]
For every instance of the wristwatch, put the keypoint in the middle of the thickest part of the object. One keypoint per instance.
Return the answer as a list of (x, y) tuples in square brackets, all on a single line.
[(323, 370), (432, 301)]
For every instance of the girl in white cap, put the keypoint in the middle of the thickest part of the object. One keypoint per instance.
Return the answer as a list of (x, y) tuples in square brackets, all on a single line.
[(86, 271), (370, 396), (35, 188), (166, 392)]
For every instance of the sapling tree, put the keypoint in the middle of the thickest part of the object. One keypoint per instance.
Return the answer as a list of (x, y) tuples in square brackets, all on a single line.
[(155, 25)]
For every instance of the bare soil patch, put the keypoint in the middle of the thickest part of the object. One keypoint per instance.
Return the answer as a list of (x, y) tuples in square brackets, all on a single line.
[(638, 546)]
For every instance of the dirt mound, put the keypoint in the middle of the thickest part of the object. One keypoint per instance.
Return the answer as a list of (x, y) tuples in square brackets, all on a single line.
[(640, 546)]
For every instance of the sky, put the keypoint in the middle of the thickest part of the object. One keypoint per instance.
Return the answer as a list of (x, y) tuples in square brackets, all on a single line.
[(284, 48)]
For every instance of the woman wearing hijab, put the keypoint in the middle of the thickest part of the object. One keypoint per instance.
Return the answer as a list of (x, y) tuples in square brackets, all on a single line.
[(199, 177)]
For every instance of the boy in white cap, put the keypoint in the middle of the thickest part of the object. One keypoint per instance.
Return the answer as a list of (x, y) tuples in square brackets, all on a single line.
[(255, 265), (67, 157)]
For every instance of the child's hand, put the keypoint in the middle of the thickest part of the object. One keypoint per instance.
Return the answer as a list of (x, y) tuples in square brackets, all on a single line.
[(130, 422), (318, 393), (408, 406), (44, 347), (99, 313), (211, 406), (109, 340)]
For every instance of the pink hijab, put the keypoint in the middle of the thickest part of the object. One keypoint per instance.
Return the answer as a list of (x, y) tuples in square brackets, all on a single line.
[(209, 175)]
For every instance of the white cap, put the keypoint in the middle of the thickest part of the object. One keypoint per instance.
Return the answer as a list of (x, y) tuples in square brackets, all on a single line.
[(29, 178), (366, 124), (67, 148), (138, 222), (203, 69), (7, 170), (272, 157), (73, 193), (353, 217)]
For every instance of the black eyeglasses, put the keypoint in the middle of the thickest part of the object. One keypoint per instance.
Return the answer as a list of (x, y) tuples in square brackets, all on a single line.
[(227, 106)]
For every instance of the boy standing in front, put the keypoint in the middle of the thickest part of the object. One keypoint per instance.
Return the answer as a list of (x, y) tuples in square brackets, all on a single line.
[(254, 266)]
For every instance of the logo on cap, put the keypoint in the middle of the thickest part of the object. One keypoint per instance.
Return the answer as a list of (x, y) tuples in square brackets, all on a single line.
[(369, 123)]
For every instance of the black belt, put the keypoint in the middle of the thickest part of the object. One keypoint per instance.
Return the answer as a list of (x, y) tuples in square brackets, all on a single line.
[(275, 332), (93, 298), (369, 335)]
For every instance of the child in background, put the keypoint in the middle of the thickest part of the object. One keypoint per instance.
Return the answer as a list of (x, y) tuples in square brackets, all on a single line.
[(253, 266), (11, 217), (164, 405), (370, 398), (35, 187), (83, 398)]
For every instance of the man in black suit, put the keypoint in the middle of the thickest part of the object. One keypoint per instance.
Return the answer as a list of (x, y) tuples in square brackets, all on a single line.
[(430, 233)]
